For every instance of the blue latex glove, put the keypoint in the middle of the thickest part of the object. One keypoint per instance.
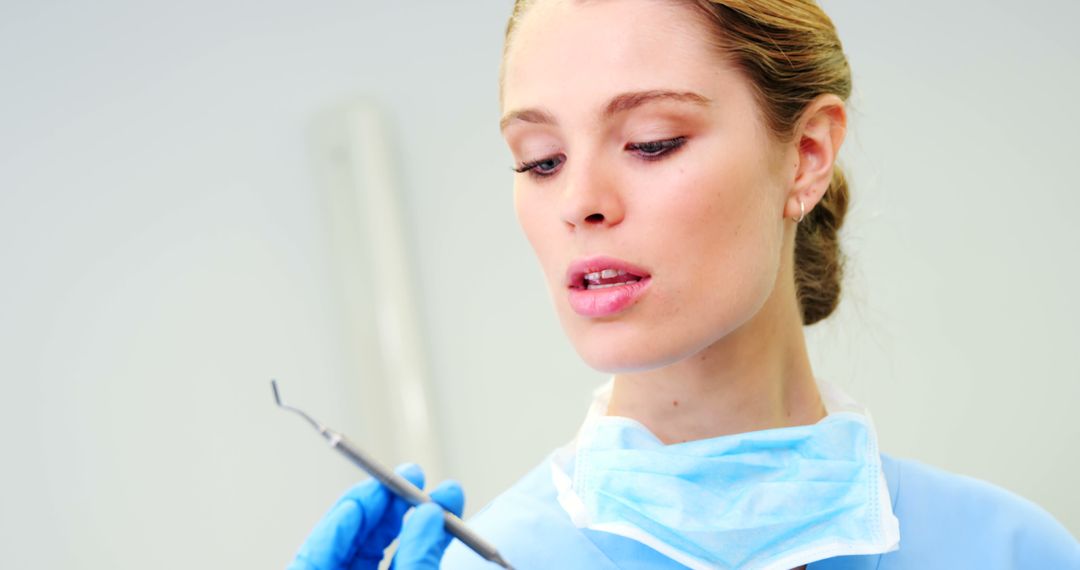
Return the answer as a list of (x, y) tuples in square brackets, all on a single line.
[(365, 520)]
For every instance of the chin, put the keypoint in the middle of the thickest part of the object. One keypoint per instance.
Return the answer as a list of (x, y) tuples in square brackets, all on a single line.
[(647, 338), (622, 353), (622, 346)]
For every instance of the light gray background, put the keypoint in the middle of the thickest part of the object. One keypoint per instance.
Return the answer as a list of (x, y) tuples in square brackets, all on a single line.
[(164, 251)]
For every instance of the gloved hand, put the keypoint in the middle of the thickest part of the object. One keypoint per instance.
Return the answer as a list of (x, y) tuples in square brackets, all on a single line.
[(365, 520)]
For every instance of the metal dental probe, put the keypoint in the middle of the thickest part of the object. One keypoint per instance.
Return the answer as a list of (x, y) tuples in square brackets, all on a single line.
[(398, 484)]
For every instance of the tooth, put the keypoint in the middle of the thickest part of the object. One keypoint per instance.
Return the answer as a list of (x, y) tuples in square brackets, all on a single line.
[(608, 273), (621, 273), (607, 285), (592, 276)]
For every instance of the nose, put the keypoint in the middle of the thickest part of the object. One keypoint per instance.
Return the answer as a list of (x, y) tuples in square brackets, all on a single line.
[(590, 197)]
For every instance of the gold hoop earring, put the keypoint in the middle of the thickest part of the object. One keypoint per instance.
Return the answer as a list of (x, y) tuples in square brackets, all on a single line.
[(802, 209)]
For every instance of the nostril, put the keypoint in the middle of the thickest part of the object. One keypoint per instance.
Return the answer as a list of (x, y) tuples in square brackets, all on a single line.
[(596, 218)]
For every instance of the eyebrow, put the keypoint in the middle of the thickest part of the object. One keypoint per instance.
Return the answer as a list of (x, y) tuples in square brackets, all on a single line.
[(618, 104)]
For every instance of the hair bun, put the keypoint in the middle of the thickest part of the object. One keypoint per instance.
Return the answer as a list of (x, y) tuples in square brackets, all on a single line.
[(819, 260)]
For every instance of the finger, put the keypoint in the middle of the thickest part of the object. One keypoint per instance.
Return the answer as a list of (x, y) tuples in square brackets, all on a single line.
[(332, 542), (412, 472), (367, 492), (354, 527), (423, 539), (387, 527), (450, 495)]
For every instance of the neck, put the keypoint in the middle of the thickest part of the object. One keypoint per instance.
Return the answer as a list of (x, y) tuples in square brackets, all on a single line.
[(756, 377)]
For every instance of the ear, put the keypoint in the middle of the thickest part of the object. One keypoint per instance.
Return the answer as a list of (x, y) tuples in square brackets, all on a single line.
[(818, 138)]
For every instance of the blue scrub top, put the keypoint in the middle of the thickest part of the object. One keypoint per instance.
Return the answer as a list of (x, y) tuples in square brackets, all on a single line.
[(947, 521)]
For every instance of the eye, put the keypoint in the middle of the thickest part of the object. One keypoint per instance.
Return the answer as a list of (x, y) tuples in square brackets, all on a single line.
[(654, 150), (541, 168)]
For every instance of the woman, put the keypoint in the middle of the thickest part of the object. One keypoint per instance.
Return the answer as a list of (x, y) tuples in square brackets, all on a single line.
[(677, 181)]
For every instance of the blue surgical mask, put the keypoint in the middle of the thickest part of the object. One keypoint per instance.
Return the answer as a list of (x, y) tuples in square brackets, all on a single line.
[(770, 499)]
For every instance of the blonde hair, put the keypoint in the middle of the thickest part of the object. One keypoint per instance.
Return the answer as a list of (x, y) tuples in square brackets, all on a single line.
[(791, 54)]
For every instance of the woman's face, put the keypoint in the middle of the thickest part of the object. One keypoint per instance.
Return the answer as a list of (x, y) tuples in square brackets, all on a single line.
[(685, 191)]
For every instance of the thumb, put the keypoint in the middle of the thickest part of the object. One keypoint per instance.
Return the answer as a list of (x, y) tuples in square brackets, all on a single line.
[(423, 537)]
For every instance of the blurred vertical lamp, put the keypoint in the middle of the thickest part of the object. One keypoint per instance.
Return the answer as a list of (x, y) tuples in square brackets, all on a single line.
[(380, 313)]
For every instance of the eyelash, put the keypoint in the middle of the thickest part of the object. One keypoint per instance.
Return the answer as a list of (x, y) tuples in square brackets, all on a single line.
[(654, 150)]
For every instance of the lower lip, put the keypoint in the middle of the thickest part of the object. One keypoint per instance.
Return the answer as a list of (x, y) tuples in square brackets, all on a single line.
[(607, 301)]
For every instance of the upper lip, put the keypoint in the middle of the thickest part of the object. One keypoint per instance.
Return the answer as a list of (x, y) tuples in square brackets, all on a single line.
[(575, 274)]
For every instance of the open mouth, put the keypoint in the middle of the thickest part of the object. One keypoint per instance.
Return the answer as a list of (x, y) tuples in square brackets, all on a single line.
[(603, 272), (602, 286), (607, 278)]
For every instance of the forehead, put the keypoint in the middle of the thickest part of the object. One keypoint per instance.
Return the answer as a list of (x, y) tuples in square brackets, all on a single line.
[(569, 55)]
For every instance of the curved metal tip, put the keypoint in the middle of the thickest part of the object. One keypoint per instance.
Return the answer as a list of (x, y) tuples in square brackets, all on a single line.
[(277, 398)]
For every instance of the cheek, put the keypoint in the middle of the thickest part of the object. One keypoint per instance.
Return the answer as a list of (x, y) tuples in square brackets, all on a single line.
[(714, 218), (715, 231), (535, 223)]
